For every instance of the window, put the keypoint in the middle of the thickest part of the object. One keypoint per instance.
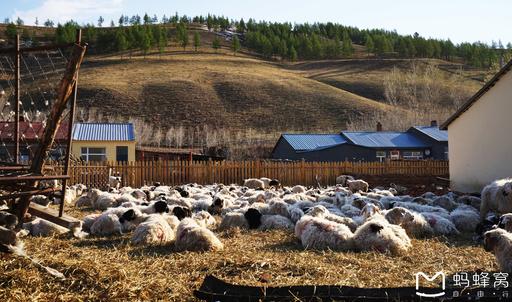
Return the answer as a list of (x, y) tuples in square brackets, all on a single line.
[(93, 154), (122, 153), (412, 155), (395, 154), (381, 155)]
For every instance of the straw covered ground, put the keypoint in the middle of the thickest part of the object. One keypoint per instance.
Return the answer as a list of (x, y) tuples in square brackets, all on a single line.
[(112, 269)]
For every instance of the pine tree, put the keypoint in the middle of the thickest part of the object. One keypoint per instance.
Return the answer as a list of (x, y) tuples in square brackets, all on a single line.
[(11, 31), (100, 21), (112, 24), (197, 40), (162, 40), (293, 54), (347, 48), (337, 47), (145, 42), (146, 19), (48, 23), (283, 49), (19, 21), (182, 35), (216, 43), (37, 22), (370, 46), (121, 43), (121, 20), (235, 45)]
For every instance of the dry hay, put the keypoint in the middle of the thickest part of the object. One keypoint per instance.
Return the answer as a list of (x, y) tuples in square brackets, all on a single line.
[(111, 268)]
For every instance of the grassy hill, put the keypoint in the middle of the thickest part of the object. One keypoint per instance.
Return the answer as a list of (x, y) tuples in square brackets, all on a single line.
[(219, 99), (219, 90)]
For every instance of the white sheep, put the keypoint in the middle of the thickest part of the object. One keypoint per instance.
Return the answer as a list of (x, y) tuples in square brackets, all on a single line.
[(273, 222), (298, 189), (465, 218), (323, 212), (342, 179), (413, 223), (105, 200), (357, 185), (499, 242), (440, 225), (88, 221), (319, 233), (192, 237), (445, 202), (379, 235), (233, 220), (266, 182), (295, 213), (497, 196), (8, 220), (44, 228), (470, 200), (204, 219), (505, 222), (83, 201), (154, 230), (40, 200), (254, 183), (106, 224)]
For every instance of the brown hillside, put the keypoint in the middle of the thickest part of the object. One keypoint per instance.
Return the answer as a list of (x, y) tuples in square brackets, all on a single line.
[(219, 90)]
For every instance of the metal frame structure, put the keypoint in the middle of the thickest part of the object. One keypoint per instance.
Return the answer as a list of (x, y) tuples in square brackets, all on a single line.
[(21, 181)]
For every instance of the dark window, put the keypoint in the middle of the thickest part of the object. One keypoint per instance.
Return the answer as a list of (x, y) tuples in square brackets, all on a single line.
[(122, 153)]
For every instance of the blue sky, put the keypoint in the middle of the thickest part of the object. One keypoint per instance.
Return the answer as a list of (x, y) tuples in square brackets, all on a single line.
[(459, 20)]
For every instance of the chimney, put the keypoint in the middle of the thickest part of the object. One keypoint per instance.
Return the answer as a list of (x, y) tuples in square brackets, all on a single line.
[(379, 127), (433, 123)]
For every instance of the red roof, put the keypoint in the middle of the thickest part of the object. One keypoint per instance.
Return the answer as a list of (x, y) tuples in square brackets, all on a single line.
[(31, 131)]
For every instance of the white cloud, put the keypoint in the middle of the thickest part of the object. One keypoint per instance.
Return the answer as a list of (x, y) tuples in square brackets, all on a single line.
[(81, 11)]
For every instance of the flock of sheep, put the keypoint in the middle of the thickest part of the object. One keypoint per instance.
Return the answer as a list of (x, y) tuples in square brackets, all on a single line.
[(345, 217)]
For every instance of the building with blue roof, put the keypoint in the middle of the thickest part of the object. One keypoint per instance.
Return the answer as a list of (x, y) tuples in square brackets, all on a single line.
[(420, 142), (104, 141)]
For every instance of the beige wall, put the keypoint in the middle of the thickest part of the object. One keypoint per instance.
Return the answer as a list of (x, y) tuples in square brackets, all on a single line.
[(480, 140), (109, 146)]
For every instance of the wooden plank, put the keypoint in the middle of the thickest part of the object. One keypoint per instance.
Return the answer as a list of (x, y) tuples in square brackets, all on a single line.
[(52, 215)]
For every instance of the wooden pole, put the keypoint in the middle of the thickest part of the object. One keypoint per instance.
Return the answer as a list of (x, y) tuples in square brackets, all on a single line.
[(70, 130), (64, 90), (17, 100)]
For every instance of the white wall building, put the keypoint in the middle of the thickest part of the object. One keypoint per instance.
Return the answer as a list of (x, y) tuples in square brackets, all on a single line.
[(480, 135)]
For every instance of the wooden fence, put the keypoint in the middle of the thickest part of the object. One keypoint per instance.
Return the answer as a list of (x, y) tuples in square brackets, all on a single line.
[(136, 174)]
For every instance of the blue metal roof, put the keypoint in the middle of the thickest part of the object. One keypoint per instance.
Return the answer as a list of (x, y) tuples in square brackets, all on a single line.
[(310, 142), (385, 139), (434, 132), (103, 132)]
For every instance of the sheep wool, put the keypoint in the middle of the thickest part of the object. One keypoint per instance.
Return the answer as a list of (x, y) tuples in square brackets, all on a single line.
[(192, 237), (379, 235), (440, 225), (497, 197), (233, 220), (505, 222), (465, 218), (204, 219), (273, 222), (320, 234), (155, 230), (44, 228), (499, 242), (107, 224), (254, 183), (414, 224), (357, 185)]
